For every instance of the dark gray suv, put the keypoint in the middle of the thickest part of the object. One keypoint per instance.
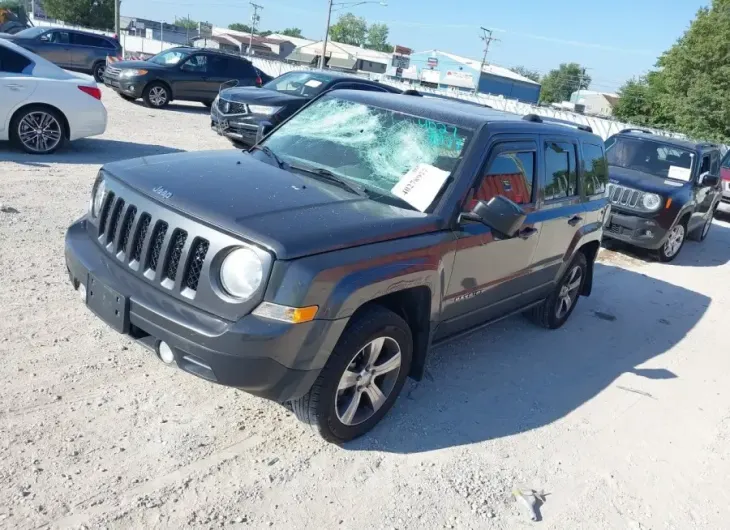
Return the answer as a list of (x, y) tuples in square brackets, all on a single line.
[(71, 49), (318, 268)]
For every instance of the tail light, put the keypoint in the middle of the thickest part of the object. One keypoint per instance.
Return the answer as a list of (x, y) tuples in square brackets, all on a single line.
[(259, 81), (725, 173), (93, 91)]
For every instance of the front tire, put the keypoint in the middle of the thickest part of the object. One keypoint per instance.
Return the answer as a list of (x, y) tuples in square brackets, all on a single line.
[(362, 378), (674, 243), (554, 311), (156, 95), (38, 130)]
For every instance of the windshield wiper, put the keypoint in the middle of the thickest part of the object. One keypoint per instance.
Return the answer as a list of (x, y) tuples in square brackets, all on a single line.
[(327, 175), (268, 152)]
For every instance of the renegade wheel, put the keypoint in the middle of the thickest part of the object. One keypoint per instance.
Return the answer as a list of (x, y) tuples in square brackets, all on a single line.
[(361, 379), (38, 130), (674, 243), (156, 95), (555, 310), (98, 71)]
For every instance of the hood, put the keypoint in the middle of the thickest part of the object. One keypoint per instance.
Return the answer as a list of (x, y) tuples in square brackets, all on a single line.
[(292, 215), (644, 181), (258, 96), (146, 65)]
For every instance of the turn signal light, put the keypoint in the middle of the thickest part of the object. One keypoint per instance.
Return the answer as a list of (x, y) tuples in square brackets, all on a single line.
[(668, 204), (93, 91), (294, 315)]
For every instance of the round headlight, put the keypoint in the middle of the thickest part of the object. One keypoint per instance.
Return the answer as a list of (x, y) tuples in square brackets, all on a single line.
[(241, 273), (651, 201), (98, 199)]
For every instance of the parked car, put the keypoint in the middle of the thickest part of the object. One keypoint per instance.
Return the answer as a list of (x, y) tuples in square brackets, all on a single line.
[(662, 190), (43, 106), (183, 73), (318, 268), (724, 204), (238, 112), (69, 48)]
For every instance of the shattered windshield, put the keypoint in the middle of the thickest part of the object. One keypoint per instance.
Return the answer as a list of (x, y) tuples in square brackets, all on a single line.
[(648, 156), (384, 151)]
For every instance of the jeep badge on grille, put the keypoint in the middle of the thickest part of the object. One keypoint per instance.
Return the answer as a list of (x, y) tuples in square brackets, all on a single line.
[(162, 192)]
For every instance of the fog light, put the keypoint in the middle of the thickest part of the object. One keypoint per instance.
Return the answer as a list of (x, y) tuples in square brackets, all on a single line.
[(165, 353), (82, 292)]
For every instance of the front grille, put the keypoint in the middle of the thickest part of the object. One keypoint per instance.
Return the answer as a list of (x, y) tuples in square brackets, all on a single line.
[(616, 229), (112, 71), (231, 107), (623, 196), (141, 242)]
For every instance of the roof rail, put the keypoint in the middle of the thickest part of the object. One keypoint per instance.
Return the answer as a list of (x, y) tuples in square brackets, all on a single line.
[(708, 144), (544, 119), (635, 129)]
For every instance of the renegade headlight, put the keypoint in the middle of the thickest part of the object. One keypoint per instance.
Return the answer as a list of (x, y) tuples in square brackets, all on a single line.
[(651, 201), (97, 197), (241, 273)]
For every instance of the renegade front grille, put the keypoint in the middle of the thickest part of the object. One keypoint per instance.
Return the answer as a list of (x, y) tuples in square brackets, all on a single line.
[(149, 246), (623, 196)]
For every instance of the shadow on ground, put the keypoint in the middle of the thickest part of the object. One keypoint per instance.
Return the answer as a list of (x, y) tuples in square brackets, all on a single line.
[(712, 252), (86, 151), (190, 107), (515, 377)]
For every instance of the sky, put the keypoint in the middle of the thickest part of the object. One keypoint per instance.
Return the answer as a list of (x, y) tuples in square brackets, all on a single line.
[(614, 40)]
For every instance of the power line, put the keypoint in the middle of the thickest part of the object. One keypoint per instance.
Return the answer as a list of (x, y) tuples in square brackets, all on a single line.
[(254, 20)]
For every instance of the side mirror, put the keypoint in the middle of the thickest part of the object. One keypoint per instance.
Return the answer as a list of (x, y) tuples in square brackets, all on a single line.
[(500, 214), (707, 179), (263, 129)]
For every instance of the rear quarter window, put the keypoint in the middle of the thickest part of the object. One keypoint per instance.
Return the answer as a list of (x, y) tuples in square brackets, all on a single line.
[(12, 62), (595, 176)]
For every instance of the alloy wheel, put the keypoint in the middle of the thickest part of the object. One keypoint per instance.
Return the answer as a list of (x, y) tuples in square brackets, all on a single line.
[(569, 292), (674, 241), (158, 96), (368, 380), (40, 132)]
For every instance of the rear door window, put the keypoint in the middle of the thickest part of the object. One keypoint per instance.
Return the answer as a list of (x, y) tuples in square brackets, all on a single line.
[(241, 69), (12, 62), (82, 39), (56, 37), (218, 66), (197, 64), (595, 176), (561, 178)]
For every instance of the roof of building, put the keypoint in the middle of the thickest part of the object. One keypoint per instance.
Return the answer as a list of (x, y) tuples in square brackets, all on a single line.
[(296, 41), (337, 49), (492, 69)]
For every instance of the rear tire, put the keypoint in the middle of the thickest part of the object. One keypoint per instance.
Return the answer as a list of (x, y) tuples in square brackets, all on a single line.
[(156, 95), (98, 71), (34, 118), (554, 311), (355, 390)]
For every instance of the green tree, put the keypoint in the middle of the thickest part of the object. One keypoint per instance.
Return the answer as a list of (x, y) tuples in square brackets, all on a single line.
[(636, 103), (237, 26), (526, 72), (97, 14), (377, 38), (559, 84), (349, 29), (186, 22), (292, 32), (691, 89)]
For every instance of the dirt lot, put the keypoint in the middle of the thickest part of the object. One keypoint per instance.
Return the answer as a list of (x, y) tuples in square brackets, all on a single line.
[(622, 417)]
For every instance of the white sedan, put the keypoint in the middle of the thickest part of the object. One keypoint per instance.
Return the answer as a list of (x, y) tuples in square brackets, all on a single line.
[(42, 106)]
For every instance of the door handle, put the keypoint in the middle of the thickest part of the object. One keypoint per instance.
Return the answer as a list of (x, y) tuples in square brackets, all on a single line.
[(575, 220), (526, 233)]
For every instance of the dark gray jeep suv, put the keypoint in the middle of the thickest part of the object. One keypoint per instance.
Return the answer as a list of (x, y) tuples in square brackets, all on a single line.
[(319, 268)]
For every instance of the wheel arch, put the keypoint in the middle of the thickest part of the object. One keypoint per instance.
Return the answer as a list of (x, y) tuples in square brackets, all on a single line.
[(25, 106), (590, 251)]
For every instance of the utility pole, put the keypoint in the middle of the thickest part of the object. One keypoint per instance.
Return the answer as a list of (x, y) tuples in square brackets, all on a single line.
[(116, 18), (326, 35), (488, 39), (254, 21)]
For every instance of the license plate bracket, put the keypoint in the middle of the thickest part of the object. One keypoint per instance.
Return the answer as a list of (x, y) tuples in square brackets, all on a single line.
[(108, 304)]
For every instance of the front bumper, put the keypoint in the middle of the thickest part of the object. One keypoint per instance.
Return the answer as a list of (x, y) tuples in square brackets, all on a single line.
[(132, 87), (244, 133), (638, 231), (245, 354)]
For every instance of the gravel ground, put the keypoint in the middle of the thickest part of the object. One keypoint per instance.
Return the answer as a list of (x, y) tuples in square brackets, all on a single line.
[(622, 418)]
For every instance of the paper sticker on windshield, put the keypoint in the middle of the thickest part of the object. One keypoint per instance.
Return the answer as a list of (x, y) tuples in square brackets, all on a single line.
[(679, 173), (313, 83), (420, 186)]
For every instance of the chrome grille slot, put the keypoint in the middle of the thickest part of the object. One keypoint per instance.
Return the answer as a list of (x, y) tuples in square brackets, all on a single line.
[(194, 268), (114, 220), (144, 224), (126, 229), (623, 196), (176, 250), (106, 206), (158, 237)]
